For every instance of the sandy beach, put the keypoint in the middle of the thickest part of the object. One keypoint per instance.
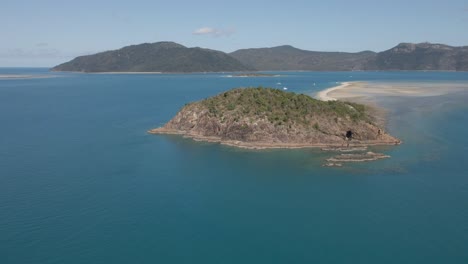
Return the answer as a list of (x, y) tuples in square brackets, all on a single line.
[(325, 94), (366, 92)]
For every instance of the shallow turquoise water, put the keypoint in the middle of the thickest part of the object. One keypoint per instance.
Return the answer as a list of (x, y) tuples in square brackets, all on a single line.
[(82, 182)]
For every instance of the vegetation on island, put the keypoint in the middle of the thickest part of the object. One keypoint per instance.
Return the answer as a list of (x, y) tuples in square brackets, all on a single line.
[(279, 107), (267, 117)]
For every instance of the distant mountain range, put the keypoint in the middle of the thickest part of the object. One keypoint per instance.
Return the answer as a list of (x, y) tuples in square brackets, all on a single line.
[(405, 56), (286, 58), (173, 57)]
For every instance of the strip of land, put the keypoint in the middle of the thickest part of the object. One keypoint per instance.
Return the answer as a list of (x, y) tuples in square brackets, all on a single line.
[(22, 76), (324, 95), (367, 92)]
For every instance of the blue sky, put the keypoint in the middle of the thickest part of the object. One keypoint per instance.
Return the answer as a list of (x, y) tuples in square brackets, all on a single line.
[(48, 32)]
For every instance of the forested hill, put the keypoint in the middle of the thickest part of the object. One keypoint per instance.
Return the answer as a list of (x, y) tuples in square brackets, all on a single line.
[(154, 57), (404, 56)]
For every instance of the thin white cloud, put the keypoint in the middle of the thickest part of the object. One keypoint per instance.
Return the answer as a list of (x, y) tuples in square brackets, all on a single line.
[(214, 32), (204, 31)]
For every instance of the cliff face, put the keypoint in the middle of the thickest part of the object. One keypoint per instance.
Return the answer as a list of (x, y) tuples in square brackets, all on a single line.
[(260, 117)]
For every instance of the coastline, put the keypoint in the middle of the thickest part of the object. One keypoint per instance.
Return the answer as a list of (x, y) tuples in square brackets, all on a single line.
[(124, 72), (275, 145), (108, 72)]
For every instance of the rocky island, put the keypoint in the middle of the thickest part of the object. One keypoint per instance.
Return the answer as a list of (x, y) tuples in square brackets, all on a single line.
[(260, 118)]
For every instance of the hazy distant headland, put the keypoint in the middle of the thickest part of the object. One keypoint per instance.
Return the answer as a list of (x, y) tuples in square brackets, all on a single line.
[(170, 57)]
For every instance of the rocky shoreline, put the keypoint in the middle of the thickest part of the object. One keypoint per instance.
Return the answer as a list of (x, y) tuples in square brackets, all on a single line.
[(333, 146)]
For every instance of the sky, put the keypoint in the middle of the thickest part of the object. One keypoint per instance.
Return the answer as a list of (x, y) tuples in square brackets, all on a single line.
[(48, 32)]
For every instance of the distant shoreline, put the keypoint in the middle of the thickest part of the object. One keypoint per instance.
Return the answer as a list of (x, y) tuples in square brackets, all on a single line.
[(260, 71), (22, 77), (124, 72), (109, 72)]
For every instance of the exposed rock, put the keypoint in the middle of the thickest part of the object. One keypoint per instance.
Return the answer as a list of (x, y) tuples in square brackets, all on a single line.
[(358, 157), (344, 149), (331, 164)]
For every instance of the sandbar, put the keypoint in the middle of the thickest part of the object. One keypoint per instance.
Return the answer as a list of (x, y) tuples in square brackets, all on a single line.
[(368, 92), (324, 94)]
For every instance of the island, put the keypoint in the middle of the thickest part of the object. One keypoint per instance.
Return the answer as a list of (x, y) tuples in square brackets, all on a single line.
[(260, 118)]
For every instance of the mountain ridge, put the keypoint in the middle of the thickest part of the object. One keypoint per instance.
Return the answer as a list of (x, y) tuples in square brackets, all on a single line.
[(404, 56), (422, 56)]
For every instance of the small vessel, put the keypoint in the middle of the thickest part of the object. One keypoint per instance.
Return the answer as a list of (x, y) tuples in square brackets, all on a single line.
[(285, 88)]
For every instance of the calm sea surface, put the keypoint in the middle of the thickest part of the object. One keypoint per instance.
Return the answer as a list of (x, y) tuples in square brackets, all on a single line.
[(82, 182)]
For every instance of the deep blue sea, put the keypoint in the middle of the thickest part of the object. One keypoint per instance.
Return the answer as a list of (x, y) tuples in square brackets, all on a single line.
[(82, 182)]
